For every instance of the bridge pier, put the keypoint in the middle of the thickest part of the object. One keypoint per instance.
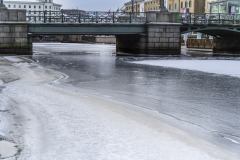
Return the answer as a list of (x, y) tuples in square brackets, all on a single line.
[(14, 38), (226, 45), (161, 37)]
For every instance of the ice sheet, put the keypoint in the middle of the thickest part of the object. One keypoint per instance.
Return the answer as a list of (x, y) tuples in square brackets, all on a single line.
[(226, 67), (59, 123)]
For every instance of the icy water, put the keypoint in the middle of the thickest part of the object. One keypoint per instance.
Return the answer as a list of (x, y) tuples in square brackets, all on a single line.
[(206, 105)]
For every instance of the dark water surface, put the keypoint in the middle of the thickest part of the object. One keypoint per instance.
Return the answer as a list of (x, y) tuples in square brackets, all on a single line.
[(204, 104)]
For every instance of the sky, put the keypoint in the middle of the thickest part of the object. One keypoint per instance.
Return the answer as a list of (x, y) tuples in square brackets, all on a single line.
[(88, 5), (92, 5)]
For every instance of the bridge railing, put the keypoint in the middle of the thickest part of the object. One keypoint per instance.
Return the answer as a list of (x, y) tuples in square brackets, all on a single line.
[(85, 17), (210, 18)]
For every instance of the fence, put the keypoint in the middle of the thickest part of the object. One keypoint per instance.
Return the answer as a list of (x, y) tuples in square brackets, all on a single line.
[(200, 43), (85, 17)]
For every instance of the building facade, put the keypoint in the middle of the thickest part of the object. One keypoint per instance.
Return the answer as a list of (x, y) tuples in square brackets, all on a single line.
[(153, 5), (137, 5), (192, 6), (40, 5), (224, 6), (173, 5)]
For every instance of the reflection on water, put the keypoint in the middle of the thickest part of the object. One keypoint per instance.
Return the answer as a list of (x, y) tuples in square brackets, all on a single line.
[(193, 99)]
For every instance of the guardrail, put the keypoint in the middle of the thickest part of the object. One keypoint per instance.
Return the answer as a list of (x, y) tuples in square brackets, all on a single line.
[(84, 17), (127, 17), (210, 18)]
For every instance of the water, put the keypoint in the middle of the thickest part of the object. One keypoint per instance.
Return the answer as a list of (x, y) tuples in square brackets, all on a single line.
[(203, 104)]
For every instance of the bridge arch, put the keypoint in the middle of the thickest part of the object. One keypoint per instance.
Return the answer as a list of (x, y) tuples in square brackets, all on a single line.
[(215, 31), (226, 37)]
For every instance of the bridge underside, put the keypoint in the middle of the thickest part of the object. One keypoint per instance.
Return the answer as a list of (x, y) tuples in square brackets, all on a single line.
[(226, 38), (86, 29), (148, 39)]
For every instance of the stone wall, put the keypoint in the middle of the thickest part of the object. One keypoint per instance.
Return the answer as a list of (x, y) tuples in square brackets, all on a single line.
[(14, 38), (12, 15), (226, 45), (105, 39), (163, 38)]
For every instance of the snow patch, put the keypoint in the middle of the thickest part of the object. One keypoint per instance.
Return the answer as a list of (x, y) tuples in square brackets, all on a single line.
[(24, 65), (225, 67), (72, 125), (13, 59), (7, 149)]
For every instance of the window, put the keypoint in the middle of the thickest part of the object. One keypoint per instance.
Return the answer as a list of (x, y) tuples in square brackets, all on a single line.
[(24, 6), (34, 6), (181, 4), (19, 6), (9, 6), (190, 3), (175, 6), (50, 7), (30, 6), (39, 7), (170, 7)]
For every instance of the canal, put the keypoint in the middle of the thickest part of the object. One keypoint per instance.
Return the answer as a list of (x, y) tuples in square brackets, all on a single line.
[(203, 104)]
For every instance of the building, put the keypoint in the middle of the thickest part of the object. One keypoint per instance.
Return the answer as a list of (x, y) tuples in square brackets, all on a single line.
[(138, 6), (224, 6), (173, 6), (38, 5), (151, 5), (192, 6), (207, 5)]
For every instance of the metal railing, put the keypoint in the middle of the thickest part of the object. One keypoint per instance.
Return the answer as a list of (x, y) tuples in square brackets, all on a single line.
[(84, 17), (127, 17), (210, 18)]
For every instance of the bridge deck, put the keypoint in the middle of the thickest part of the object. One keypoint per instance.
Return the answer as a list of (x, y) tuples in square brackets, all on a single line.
[(86, 29)]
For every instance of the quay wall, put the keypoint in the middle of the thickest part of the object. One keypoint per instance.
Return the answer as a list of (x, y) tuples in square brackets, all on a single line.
[(14, 37)]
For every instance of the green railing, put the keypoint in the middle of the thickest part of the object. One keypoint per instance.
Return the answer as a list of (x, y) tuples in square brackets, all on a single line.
[(85, 17), (127, 17), (210, 18)]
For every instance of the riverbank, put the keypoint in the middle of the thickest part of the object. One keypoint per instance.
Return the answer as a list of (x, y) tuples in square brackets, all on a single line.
[(50, 120)]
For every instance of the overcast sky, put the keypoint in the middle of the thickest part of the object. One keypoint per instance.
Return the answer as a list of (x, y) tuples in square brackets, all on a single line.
[(92, 5)]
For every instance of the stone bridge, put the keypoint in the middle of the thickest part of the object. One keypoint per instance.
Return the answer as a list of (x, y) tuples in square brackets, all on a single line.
[(151, 34)]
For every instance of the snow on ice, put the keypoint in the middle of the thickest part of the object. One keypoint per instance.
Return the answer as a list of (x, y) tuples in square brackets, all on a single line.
[(59, 123), (225, 67)]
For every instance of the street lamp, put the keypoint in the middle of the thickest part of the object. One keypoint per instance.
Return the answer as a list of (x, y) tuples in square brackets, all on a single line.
[(132, 6), (162, 6), (1, 4)]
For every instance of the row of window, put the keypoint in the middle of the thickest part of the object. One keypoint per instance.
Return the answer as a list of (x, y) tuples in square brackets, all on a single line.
[(187, 5), (130, 8), (33, 6), (170, 7), (152, 2), (152, 9)]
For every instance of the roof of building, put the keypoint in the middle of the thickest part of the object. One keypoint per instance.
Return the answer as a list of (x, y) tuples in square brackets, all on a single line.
[(135, 1), (28, 2)]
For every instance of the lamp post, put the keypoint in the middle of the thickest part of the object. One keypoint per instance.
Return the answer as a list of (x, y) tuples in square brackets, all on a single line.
[(162, 6), (132, 6), (1, 4)]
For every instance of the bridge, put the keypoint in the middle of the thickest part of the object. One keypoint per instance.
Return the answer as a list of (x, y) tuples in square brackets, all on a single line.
[(153, 33)]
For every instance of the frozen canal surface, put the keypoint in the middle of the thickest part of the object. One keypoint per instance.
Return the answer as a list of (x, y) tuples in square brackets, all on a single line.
[(204, 104)]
